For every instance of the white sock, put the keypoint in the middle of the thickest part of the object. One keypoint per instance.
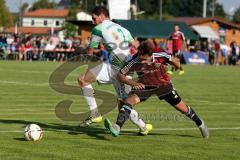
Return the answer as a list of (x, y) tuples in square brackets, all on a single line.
[(134, 118), (88, 94)]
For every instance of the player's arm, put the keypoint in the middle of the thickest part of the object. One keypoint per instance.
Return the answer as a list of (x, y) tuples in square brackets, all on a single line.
[(132, 42), (92, 51), (167, 59), (121, 76), (96, 38)]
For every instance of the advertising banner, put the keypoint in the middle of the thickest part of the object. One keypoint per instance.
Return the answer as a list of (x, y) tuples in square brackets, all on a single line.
[(195, 58)]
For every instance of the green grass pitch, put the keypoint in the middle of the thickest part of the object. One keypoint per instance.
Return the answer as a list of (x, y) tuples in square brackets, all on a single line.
[(25, 97)]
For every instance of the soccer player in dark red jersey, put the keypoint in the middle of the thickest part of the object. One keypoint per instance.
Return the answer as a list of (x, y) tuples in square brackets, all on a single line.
[(152, 80), (178, 41)]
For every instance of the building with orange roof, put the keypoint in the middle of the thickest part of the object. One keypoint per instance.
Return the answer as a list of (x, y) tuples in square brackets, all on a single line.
[(42, 21)]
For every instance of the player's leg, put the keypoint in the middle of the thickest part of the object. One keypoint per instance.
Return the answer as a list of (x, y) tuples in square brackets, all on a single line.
[(84, 82), (175, 100), (190, 113), (123, 91), (126, 112), (178, 56)]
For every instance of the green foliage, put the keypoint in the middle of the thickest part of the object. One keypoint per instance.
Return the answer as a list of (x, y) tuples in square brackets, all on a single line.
[(24, 7), (70, 29), (40, 4), (218, 10), (177, 8), (171, 8), (88, 5), (75, 3), (236, 16), (6, 18)]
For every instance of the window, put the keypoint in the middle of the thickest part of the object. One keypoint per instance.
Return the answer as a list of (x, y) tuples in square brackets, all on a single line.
[(57, 23), (45, 23), (32, 22)]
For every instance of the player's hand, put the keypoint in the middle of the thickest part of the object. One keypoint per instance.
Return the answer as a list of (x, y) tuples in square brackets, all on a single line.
[(139, 86)]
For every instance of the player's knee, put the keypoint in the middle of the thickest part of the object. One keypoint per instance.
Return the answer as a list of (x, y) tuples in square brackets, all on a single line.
[(129, 101), (81, 81)]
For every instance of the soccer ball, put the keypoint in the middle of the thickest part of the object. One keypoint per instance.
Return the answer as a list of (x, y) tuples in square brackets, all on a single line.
[(33, 132)]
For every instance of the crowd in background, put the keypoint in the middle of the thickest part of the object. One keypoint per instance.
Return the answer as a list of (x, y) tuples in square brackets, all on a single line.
[(50, 48), (39, 48), (219, 53)]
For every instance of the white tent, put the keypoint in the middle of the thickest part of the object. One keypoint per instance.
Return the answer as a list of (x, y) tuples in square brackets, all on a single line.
[(205, 32)]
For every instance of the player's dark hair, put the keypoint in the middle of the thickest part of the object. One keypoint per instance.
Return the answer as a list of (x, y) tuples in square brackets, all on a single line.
[(101, 10), (145, 48)]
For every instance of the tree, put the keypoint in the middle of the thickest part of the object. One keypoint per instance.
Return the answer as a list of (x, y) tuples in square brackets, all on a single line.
[(24, 7), (177, 8), (236, 16), (70, 29), (18, 18), (43, 4), (86, 5), (217, 9), (6, 18)]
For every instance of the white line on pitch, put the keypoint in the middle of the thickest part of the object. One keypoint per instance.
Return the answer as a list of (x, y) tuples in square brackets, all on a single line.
[(184, 129)]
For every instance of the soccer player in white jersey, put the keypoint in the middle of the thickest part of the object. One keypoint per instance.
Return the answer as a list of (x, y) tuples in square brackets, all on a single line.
[(117, 41)]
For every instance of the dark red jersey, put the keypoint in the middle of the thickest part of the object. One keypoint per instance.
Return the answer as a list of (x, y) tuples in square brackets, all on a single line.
[(177, 39), (153, 74)]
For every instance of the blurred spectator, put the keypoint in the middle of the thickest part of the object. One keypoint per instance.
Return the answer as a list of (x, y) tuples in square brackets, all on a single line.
[(10, 40), (68, 42), (28, 48), (233, 58), (211, 49), (55, 40), (22, 52), (225, 51), (217, 52), (49, 51), (60, 52)]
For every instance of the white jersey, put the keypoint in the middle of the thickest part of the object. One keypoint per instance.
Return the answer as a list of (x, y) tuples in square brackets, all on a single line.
[(116, 40)]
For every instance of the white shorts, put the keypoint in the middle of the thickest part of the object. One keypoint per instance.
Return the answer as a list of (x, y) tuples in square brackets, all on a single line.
[(102, 72), (106, 74)]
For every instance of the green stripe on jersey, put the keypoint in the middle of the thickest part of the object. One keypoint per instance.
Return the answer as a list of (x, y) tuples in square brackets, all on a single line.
[(93, 45), (97, 31)]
